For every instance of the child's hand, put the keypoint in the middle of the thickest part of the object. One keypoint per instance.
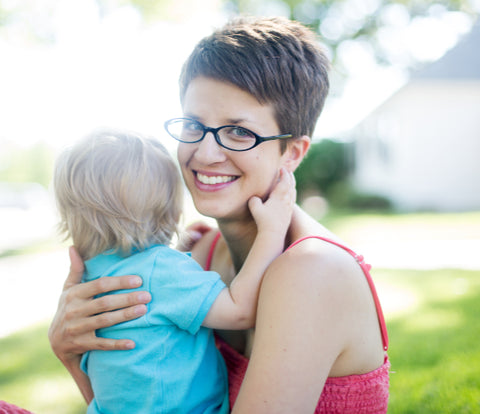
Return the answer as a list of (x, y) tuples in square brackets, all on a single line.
[(275, 213)]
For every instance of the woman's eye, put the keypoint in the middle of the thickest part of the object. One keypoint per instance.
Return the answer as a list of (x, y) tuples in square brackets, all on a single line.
[(192, 126), (239, 132)]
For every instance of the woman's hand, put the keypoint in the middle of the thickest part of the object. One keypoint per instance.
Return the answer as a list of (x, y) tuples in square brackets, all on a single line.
[(192, 234), (79, 314)]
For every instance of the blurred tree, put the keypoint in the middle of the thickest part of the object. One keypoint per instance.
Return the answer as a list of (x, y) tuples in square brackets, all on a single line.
[(327, 164), (346, 27), (364, 24), (326, 172), (30, 21)]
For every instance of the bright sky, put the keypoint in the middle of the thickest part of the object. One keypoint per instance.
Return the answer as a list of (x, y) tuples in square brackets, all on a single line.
[(117, 72)]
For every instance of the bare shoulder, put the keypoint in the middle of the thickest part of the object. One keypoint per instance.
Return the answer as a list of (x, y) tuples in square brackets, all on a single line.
[(315, 264), (317, 290)]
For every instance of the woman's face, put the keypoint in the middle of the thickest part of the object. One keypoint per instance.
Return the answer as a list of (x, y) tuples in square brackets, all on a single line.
[(222, 181)]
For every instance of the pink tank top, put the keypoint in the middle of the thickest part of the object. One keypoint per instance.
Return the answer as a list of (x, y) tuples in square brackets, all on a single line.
[(366, 393)]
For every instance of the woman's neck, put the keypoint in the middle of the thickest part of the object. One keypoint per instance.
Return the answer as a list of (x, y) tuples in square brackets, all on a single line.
[(239, 237)]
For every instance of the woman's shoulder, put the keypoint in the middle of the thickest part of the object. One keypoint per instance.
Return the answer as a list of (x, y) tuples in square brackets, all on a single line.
[(317, 254), (321, 251), (319, 273)]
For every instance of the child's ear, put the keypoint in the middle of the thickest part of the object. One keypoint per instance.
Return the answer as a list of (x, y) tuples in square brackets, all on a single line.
[(295, 152)]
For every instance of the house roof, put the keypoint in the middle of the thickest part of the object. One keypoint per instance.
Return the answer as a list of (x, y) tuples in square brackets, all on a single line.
[(461, 62)]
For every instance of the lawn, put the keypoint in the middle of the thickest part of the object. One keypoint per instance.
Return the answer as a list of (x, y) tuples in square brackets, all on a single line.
[(432, 317), (32, 378), (434, 340)]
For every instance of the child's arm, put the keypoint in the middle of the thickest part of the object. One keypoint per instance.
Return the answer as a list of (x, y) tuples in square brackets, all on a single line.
[(236, 306)]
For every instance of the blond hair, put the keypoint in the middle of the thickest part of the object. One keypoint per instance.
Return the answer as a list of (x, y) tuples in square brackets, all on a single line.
[(117, 190)]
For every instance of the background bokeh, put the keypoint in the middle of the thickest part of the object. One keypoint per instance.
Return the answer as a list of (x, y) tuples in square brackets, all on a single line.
[(68, 66)]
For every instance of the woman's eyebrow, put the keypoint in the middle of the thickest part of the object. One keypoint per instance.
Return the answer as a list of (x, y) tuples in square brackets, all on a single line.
[(237, 121), (191, 116)]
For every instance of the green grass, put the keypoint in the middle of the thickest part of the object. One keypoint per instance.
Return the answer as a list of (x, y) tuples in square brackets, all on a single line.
[(32, 378), (367, 226), (434, 340), (434, 349), (432, 318)]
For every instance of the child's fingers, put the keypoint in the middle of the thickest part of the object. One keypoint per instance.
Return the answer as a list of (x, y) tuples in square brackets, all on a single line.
[(254, 203), (285, 185)]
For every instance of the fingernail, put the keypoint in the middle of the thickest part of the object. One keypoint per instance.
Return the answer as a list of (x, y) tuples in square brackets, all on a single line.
[(144, 297), (130, 345), (140, 310), (136, 281)]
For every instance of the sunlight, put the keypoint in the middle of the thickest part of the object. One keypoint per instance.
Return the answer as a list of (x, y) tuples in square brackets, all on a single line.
[(396, 301), (433, 319), (118, 73)]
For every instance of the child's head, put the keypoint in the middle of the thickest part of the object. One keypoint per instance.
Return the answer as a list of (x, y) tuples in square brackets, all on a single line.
[(117, 190), (276, 60)]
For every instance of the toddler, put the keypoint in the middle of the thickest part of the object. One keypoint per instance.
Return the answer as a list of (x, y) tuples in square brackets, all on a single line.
[(119, 196)]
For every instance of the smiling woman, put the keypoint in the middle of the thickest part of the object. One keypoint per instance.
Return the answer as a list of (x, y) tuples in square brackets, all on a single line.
[(266, 77)]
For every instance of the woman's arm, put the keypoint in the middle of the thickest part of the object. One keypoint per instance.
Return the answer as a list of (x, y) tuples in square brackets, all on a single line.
[(301, 329), (72, 331)]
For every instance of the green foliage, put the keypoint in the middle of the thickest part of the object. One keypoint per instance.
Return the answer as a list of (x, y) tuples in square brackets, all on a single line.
[(326, 172), (344, 195), (327, 163), (354, 20)]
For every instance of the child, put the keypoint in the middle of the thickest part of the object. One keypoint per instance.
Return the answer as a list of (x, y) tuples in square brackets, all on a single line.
[(119, 196)]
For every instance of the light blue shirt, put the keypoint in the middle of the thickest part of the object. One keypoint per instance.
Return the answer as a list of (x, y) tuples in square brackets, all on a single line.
[(175, 366)]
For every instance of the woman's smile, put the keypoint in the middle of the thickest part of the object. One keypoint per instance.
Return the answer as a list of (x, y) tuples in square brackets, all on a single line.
[(210, 179)]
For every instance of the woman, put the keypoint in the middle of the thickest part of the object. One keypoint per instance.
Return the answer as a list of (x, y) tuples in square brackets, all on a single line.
[(320, 340)]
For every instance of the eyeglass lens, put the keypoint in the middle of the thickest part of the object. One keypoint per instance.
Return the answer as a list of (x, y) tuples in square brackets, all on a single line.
[(233, 137)]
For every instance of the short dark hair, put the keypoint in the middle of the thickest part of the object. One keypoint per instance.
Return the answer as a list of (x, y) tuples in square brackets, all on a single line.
[(277, 60)]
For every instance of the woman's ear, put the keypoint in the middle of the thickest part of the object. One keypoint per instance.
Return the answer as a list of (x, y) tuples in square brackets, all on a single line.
[(295, 152)]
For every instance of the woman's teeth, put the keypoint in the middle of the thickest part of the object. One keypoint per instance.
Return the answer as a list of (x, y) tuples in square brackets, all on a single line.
[(208, 179)]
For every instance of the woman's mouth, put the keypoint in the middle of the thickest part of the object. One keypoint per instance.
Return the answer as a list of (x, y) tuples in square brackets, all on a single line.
[(214, 179)]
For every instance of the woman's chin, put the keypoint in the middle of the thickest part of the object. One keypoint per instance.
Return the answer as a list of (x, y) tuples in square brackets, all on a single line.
[(217, 211)]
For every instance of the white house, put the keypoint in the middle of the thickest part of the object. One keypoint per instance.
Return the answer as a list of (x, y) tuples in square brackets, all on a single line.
[(421, 147)]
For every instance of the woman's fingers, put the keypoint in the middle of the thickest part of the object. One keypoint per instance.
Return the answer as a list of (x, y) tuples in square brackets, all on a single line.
[(104, 285), (80, 326), (76, 269), (125, 306), (107, 344), (192, 234)]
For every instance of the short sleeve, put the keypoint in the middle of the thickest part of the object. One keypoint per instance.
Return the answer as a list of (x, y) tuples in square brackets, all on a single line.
[(182, 292)]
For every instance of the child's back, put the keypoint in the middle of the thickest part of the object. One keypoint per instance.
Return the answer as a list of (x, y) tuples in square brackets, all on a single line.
[(175, 359)]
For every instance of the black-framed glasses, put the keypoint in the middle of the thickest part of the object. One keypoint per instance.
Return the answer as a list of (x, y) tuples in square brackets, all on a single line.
[(231, 137)]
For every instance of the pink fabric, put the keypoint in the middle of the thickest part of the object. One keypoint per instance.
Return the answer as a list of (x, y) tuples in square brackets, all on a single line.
[(352, 394), (208, 264), (6, 408)]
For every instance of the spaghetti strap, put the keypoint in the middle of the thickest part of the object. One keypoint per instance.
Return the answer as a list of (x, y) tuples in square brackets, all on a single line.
[(365, 267), (366, 271), (208, 263)]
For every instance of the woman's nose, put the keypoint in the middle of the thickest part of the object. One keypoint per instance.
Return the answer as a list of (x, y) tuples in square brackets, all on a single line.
[(208, 150)]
